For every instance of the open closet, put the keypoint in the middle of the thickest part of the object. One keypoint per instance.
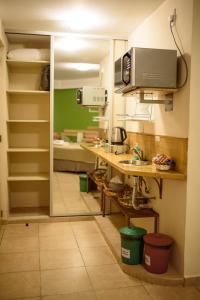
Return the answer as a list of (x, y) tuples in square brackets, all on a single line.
[(28, 124), (30, 110)]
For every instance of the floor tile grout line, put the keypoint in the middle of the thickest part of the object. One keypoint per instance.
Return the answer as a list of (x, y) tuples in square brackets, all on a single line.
[(2, 235), (84, 264), (40, 274), (148, 292)]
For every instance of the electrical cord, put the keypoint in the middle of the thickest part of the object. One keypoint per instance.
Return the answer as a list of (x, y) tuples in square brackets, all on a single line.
[(183, 58)]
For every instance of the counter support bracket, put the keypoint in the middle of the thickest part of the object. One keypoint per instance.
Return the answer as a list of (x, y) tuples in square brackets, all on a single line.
[(168, 101), (160, 185)]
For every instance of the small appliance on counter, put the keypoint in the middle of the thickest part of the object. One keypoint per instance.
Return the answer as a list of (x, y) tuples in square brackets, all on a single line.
[(117, 141), (118, 136)]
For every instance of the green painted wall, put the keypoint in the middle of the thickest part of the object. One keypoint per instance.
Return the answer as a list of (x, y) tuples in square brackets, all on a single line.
[(68, 114)]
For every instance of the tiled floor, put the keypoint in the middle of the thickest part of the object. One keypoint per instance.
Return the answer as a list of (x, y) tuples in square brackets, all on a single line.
[(70, 261), (67, 198)]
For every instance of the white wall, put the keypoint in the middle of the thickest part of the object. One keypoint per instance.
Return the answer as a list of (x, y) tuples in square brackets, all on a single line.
[(192, 243), (154, 32), (104, 82), (76, 83)]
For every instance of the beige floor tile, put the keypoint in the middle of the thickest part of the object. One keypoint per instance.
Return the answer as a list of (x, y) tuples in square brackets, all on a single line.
[(110, 276), (90, 240), (58, 209), (74, 296), (2, 229), (92, 203), (76, 206), (97, 256), (19, 262), (21, 230), (55, 282), (70, 189), (60, 259), (117, 248), (128, 293), (82, 227), (10, 245), (54, 229), (19, 285), (60, 242), (173, 293)]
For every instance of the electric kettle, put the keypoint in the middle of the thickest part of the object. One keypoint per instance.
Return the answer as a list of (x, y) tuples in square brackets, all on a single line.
[(118, 136)]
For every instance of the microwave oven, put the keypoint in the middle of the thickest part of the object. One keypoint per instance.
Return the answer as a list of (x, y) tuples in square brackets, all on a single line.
[(146, 68), (91, 96)]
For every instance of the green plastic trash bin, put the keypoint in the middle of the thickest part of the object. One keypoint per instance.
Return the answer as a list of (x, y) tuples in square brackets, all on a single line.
[(83, 182), (132, 244)]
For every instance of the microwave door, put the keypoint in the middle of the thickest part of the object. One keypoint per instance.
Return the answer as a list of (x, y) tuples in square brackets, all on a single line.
[(126, 69), (118, 73)]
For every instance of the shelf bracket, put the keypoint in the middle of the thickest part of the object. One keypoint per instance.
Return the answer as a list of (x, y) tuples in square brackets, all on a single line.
[(160, 185), (168, 101)]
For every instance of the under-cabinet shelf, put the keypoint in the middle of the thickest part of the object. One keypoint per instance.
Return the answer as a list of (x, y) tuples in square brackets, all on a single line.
[(147, 96), (160, 91), (28, 92), (28, 150), (29, 177), (27, 63)]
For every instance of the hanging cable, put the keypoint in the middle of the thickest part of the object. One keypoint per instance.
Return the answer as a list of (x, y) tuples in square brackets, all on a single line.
[(183, 58)]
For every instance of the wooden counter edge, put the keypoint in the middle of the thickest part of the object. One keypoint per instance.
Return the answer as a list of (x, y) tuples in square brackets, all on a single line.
[(138, 171)]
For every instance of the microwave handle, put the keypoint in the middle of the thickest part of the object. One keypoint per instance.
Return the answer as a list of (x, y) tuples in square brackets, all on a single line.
[(122, 69), (125, 82)]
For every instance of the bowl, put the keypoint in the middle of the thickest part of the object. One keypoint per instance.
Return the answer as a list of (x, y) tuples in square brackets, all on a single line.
[(163, 167)]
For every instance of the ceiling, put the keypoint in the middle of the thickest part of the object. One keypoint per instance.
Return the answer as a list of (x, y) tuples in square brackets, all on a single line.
[(115, 17), (93, 51), (102, 18)]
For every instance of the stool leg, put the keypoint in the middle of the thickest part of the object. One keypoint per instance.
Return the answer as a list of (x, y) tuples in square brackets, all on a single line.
[(103, 205), (101, 198), (127, 220), (87, 183), (156, 224)]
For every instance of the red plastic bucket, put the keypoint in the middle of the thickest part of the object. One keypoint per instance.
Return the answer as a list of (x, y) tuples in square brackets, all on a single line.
[(157, 249)]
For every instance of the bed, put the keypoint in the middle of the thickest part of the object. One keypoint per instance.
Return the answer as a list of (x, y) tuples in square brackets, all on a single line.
[(72, 158)]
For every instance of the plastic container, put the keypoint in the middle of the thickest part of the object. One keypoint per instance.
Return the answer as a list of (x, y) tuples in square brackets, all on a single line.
[(83, 182), (157, 248), (132, 244)]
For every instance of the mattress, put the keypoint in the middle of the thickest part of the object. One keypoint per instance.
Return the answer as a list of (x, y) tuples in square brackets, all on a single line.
[(72, 152)]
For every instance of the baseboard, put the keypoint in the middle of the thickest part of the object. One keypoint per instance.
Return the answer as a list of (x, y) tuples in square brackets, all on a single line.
[(192, 281)]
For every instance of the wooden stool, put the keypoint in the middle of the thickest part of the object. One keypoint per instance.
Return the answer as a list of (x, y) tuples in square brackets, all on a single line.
[(129, 212)]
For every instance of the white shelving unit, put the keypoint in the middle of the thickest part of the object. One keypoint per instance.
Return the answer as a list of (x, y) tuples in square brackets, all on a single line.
[(28, 128)]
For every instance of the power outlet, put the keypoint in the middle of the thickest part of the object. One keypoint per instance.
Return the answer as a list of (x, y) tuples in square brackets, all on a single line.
[(157, 138), (172, 17)]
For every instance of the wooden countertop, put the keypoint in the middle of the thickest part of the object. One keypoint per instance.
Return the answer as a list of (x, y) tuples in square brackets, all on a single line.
[(146, 171)]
